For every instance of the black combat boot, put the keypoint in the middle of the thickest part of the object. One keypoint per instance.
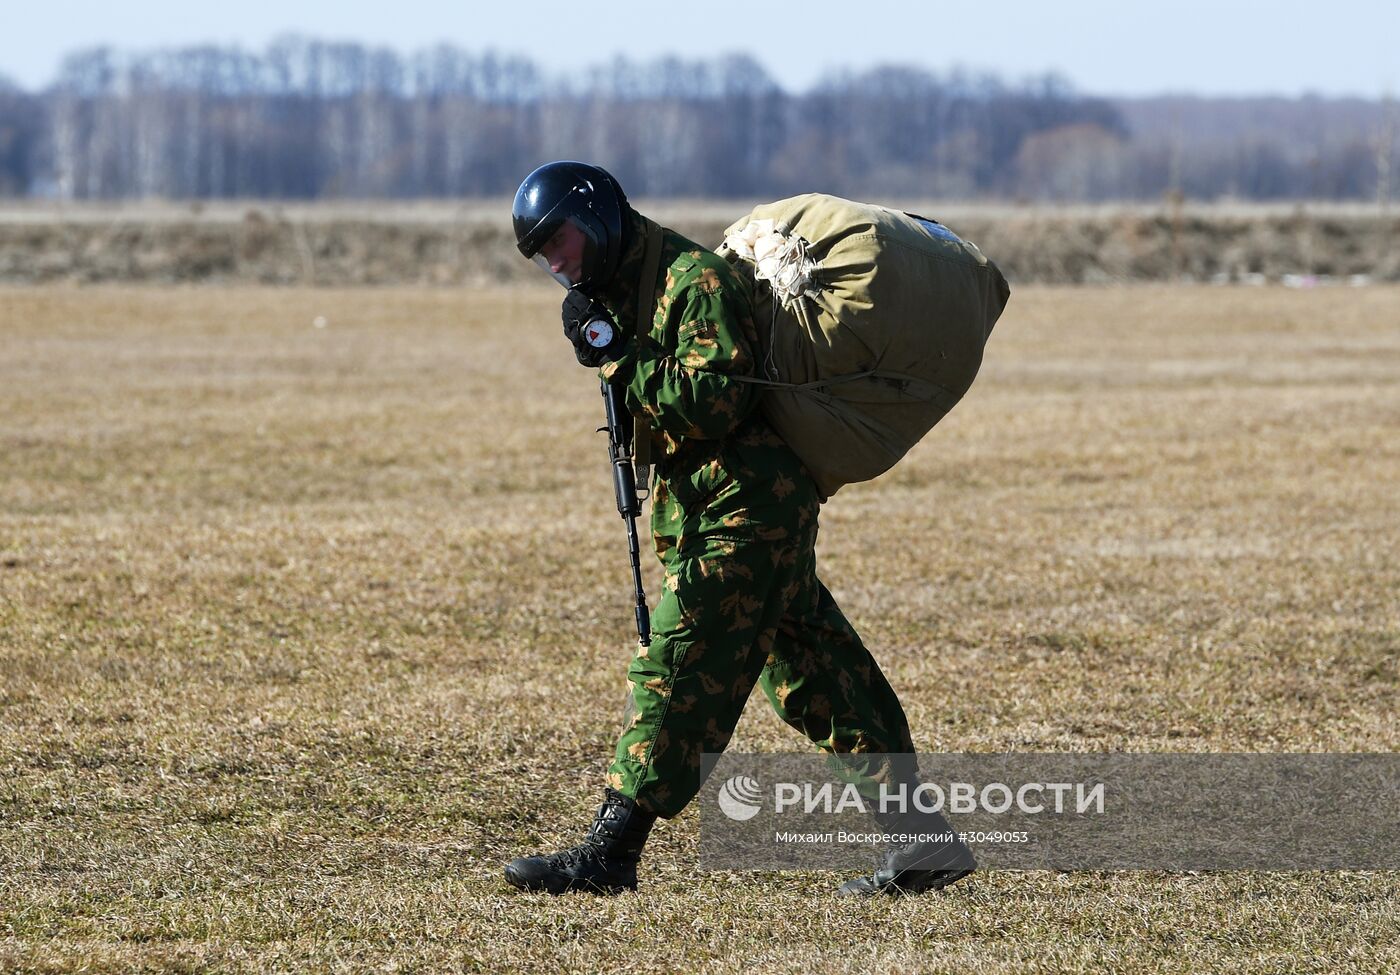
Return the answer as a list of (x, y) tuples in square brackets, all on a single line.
[(927, 864), (604, 863)]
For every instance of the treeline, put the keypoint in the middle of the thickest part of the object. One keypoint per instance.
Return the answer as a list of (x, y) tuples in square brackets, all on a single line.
[(306, 119)]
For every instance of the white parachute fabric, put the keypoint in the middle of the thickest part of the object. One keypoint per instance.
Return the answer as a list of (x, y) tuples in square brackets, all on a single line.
[(778, 258)]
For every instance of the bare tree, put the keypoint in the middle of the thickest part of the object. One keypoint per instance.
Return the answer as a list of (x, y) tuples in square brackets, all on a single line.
[(307, 118)]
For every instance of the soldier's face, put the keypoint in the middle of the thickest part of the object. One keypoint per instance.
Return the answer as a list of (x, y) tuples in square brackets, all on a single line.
[(564, 251)]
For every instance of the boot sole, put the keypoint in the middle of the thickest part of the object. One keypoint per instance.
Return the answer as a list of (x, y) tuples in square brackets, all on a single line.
[(556, 885), (894, 890)]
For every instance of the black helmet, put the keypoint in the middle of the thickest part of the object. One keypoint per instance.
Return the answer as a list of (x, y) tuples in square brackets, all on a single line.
[(585, 195)]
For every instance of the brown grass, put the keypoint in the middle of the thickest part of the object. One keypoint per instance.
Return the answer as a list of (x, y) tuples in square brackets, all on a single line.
[(304, 631)]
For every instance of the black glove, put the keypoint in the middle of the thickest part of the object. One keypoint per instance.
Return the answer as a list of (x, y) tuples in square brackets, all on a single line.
[(595, 336)]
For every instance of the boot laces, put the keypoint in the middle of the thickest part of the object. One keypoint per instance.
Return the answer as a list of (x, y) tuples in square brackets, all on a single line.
[(588, 850)]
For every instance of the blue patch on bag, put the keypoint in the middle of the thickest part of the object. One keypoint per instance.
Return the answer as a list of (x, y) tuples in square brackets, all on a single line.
[(937, 231)]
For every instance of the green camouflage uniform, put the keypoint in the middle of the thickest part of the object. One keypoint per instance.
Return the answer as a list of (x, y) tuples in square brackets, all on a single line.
[(734, 520)]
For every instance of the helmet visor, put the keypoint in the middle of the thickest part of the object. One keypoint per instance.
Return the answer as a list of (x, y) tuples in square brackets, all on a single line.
[(570, 253), (543, 262)]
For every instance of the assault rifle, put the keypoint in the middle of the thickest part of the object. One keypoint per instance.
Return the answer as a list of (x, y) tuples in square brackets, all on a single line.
[(629, 502)]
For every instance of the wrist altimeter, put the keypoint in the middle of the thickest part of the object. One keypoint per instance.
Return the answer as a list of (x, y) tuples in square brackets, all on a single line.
[(599, 332)]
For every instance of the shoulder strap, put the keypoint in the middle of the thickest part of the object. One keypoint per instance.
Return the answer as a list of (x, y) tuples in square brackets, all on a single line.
[(646, 313), (651, 267)]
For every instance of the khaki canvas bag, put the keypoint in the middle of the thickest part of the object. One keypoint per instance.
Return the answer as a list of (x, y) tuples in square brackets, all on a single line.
[(871, 326)]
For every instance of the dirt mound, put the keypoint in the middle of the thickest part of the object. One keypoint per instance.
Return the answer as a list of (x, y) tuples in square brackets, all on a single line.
[(338, 245)]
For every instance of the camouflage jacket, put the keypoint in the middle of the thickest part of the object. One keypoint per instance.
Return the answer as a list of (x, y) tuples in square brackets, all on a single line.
[(721, 471)]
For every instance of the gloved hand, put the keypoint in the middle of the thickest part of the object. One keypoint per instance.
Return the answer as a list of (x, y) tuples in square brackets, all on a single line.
[(595, 336)]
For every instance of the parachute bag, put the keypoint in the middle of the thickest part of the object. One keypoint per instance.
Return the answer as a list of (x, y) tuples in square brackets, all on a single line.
[(871, 327)]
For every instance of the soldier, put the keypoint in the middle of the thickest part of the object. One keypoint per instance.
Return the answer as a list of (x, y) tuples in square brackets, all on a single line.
[(734, 522)]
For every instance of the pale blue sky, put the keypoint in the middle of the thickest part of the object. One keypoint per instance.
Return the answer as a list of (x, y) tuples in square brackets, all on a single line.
[(1334, 47)]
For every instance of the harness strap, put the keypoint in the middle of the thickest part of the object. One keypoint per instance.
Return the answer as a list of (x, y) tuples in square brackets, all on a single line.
[(817, 385), (646, 314)]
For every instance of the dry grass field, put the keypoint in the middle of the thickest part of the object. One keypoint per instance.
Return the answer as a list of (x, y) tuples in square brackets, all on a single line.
[(305, 630)]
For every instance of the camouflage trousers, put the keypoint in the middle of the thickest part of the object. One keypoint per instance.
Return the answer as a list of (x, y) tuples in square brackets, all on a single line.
[(742, 605)]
